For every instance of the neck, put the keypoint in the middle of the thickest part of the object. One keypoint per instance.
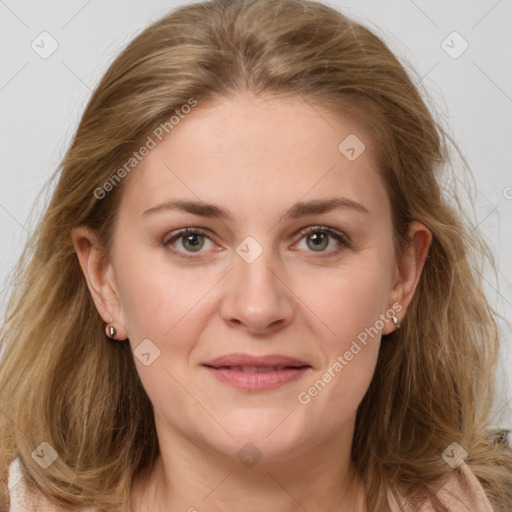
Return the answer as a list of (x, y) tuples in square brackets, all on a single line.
[(192, 478)]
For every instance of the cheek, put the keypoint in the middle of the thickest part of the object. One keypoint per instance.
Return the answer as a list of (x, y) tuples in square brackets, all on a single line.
[(349, 300), (165, 307), (351, 305), (333, 397), (350, 354), (345, 379), (157, 299)]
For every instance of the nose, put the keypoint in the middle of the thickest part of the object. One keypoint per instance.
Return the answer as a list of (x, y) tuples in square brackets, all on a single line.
[(256, 297)]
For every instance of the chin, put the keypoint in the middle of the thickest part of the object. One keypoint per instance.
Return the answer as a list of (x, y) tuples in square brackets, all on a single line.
[(268, 439)]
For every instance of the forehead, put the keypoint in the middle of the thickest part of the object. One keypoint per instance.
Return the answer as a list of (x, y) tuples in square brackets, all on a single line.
[(253, 154)]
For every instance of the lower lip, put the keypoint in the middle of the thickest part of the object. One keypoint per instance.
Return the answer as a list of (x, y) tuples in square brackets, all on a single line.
[(252, 381)]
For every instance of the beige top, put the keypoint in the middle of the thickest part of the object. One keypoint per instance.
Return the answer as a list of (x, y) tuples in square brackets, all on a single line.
[(462, 493)]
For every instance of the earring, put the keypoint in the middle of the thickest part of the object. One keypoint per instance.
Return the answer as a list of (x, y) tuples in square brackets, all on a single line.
[(111, 331), (396, 322)]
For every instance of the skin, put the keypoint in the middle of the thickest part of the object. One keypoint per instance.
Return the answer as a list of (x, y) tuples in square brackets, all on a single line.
[(255, 158)]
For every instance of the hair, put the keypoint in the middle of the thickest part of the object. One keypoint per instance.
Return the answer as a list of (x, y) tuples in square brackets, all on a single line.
[(433, 383)]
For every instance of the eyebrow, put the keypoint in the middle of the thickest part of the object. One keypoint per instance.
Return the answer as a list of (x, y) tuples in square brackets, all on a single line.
[(298, 210)]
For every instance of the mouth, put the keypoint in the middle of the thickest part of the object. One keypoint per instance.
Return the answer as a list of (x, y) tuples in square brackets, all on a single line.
[(250, 373), (257, 369)]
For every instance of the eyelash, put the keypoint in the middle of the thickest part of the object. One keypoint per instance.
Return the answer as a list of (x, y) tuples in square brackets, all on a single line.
[(340, 237)]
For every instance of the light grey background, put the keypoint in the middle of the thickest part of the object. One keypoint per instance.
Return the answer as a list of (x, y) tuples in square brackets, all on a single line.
[(41, 100)]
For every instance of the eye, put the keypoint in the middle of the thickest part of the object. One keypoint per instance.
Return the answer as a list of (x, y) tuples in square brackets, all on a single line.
[(192, 240), (317, 238)]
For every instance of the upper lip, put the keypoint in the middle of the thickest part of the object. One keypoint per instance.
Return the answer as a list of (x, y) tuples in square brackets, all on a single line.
[(248, 360)]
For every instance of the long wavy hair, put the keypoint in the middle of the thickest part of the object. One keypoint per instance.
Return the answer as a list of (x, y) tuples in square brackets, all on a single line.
[(64, 383)]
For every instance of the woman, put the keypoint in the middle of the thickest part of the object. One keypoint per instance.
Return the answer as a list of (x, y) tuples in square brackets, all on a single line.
[(322, 344)]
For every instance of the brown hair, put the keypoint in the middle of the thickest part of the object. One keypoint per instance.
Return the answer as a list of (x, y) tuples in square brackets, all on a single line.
[(433, 383)]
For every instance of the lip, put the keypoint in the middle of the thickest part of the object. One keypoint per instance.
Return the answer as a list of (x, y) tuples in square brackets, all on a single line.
[(248, 360), (227, 369)]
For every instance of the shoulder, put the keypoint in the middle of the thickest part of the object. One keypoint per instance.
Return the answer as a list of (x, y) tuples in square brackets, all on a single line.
[(21, 499), (461, 493)]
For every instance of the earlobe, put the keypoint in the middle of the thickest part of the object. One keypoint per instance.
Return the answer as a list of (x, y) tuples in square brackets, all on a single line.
[(99, 276)]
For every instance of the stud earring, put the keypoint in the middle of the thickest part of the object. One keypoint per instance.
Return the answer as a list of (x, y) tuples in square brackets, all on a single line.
[(396, 322), (111, 331)]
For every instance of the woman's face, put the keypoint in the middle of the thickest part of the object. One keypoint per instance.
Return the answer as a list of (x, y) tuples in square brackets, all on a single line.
[(250, 281)]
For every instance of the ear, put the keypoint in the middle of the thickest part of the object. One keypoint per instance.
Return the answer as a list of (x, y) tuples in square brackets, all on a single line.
[(408, 270), (99, 275)]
